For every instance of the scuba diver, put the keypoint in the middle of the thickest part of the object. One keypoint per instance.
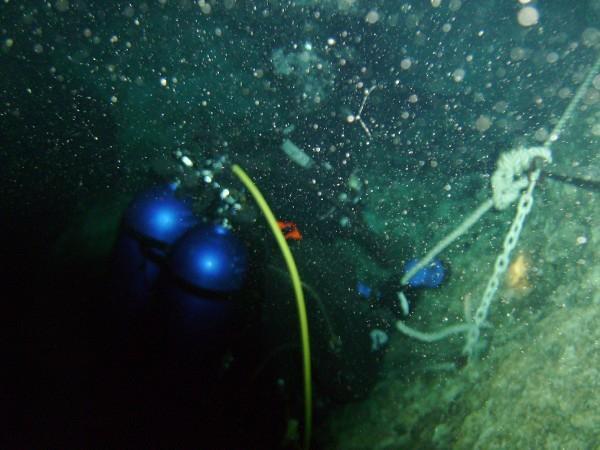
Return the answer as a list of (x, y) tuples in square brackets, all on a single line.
[(203, 313), (187, 289)]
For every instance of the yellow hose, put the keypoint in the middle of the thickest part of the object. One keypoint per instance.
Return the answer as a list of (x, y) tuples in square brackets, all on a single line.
[(297, 284)]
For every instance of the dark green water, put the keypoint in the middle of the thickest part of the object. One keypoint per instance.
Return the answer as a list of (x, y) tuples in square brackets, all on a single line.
[(401, 111)]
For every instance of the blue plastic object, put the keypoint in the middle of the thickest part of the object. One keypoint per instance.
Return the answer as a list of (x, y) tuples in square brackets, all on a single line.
[(153, 221), (363, 289), (159, 217), (367, 292), (207, 267), (210, 257), (431, 276)]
